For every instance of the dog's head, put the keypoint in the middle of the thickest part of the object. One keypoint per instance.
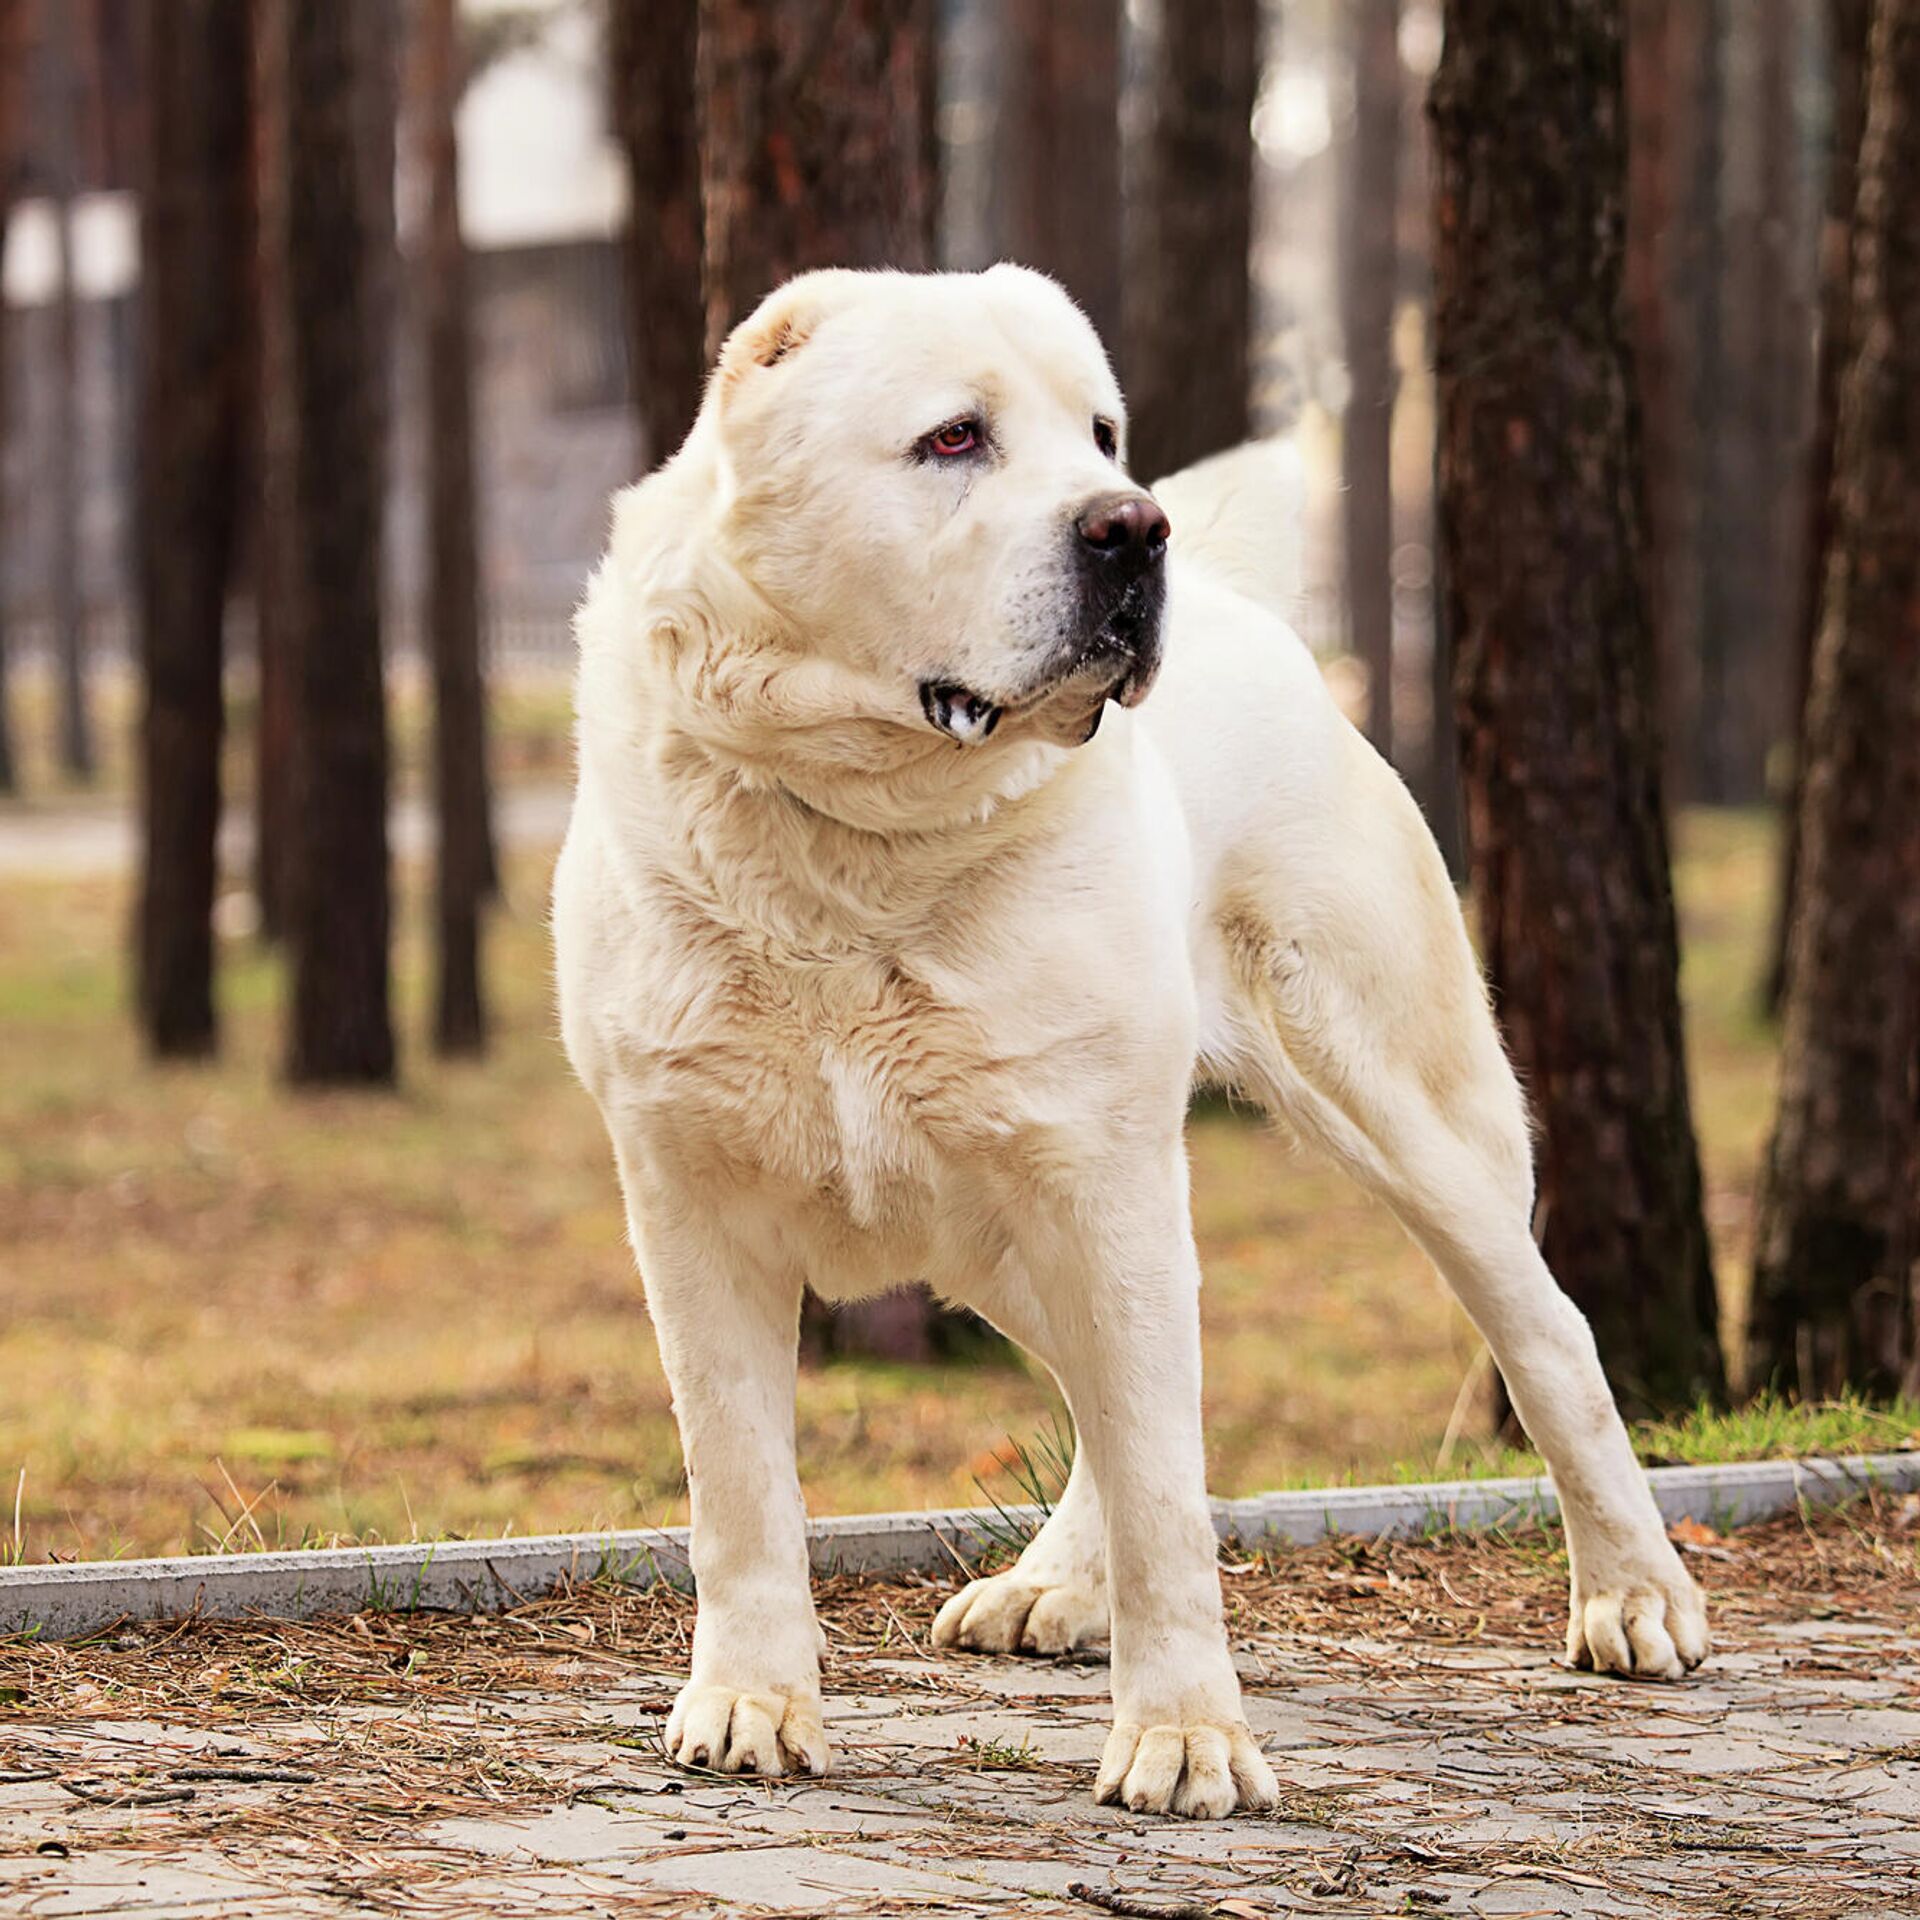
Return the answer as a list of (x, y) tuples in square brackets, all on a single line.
[(923, 477)]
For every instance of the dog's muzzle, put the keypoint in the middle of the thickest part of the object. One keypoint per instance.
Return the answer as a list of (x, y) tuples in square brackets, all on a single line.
[(1118, 547)]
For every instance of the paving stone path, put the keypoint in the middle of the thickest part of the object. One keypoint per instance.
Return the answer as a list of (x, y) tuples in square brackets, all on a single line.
[(1455, 1774)]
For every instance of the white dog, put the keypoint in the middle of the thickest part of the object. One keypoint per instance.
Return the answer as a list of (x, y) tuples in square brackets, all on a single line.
[(893, 933)]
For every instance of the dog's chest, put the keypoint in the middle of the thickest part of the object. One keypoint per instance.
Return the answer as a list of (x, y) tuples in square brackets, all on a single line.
[(849, 1088)]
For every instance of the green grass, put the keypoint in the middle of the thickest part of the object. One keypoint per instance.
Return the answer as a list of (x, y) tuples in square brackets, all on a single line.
[(236, 1315), (1767, 1428)]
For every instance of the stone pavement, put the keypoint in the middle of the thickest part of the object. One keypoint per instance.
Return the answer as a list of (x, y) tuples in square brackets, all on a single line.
[(1462, 1773)]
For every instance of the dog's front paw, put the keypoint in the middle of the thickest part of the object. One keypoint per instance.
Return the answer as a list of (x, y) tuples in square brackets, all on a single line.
[(1014, 1613), (730, 1730), (1204, 1772), (1649, 1620)]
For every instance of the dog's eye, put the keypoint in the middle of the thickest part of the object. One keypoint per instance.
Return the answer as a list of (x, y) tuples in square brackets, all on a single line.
[(959, 436), (1105, 438)]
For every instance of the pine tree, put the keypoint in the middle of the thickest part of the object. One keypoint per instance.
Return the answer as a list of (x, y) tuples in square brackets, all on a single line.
[(194, 243), (1542, 529)]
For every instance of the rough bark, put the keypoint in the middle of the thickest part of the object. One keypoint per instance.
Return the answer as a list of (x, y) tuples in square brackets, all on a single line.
[(1847, 23), (77, 755), (1057, 149), (1754, 347), (1833, 1283), (9, 773), (1542, 529), (462, 800), (1663, 40), (337, 881), (817, 143), (1369, 290), (194, 233), (1697, 719), (652, 67), (1189, 293), (14, 23), (1441, 798), (273, 530)]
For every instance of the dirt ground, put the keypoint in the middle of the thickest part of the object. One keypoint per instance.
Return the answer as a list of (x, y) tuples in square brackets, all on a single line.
[(1434, 1757)]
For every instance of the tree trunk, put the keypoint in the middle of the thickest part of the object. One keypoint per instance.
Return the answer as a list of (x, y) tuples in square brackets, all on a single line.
[(1542, 529), (1832, 1287), (1057, 150), (273, 530), (1700, 719), (1664, 38), (338, 907), (194, 243), (9, 772), (1369, 290), (1847, 23), (652, 66), (1756, 354), (817, 150), (817, 143), (460, 787), (1189, 293), (77, 754), (15, 26), (1442, 801)]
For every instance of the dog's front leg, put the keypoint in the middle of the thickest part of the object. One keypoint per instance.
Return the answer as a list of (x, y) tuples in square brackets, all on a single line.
[(728, 1329), (1124, 1313)]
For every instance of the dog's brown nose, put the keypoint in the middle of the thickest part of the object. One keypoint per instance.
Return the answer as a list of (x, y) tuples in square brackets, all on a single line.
[(1125, 527)]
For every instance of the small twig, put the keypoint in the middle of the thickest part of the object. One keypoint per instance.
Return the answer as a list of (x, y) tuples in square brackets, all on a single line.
[(1463, 1405), (246, 1506), (132, 1797), (247, 1776), (1133, 1909), (1344, 1879)]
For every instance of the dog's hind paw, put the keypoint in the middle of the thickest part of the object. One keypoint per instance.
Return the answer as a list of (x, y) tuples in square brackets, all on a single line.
[(729, 1730), (1202, 1772), (1013, 1612)]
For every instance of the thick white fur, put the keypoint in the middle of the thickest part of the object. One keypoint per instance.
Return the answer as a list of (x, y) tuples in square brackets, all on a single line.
[(860, 1005)]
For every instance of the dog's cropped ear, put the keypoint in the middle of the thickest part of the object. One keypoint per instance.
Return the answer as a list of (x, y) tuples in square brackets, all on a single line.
[(782, 324)]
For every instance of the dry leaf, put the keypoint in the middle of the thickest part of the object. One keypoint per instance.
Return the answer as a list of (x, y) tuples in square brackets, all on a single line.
[(1690, 1533)]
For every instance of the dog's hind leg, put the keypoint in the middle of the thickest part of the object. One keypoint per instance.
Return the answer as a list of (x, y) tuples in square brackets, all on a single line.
[(1054, 1597), (1356, 1014)]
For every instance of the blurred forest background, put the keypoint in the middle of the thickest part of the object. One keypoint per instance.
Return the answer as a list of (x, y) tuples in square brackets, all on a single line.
[(1592, 329)]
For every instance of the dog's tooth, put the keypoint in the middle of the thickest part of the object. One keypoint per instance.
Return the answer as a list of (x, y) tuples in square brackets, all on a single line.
[(969, 718)]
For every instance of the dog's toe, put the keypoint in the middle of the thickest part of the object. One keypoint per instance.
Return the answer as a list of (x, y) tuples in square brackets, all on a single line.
[(732, 1730), (1650, 1632), (1013, 1613), (1201, 1772)]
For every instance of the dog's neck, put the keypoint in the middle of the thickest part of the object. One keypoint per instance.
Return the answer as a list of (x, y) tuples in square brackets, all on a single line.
[(811, 839), (761, 778)]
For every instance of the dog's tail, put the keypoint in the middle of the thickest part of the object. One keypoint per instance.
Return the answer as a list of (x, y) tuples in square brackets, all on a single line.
[(1238, 516)]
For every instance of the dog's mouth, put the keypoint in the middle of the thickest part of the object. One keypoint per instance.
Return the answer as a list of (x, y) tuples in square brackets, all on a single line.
[(1115, 659), (958, 712)]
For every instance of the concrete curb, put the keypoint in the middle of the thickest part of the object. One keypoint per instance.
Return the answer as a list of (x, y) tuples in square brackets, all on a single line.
[(485, 1576)]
